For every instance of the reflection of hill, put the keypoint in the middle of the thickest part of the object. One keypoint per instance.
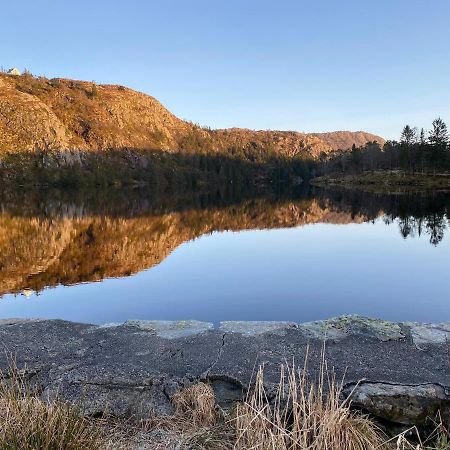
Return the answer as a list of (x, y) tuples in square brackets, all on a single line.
[(58, 237), (38, 251)]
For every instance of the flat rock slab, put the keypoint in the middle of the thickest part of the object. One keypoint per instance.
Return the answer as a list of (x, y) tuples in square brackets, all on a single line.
[(397, 371)]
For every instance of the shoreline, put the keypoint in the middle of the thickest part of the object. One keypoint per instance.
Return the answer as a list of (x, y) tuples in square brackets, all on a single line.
[(394, 182), (133, 369)]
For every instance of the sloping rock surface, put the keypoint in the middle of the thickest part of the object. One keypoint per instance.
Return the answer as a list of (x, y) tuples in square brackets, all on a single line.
[(396, 371), (61, 114)]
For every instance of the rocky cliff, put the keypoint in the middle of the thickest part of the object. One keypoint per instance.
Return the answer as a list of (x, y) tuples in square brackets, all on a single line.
[(62, 114)]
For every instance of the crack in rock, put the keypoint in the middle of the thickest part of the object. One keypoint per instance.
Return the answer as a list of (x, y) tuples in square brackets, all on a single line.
[(206, 373)]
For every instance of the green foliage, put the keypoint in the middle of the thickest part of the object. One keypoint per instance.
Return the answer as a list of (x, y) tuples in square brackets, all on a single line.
[(415, 153), (408, 136), (132, 167), (439, 135)]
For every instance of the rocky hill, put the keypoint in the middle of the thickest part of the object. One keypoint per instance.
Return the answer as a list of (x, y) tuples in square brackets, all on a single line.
[(344, 140), (61, 114)]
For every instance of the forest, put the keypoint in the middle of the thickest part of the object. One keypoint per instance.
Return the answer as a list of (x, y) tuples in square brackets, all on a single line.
[(425, 152)]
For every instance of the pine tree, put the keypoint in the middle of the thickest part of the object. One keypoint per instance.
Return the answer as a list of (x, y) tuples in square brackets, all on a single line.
[(422, 138), (422, 149), (439, 141), (408, 136), (438, 136)]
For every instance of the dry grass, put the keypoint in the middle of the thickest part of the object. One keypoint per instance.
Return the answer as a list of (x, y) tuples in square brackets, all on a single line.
[(197, 424), (29, 423), (439, 439), (196, 404), (303, 415)]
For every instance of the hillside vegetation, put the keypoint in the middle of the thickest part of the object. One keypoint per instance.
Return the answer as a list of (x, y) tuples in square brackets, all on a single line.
[(420, 160), (62, 132), (38, 113)]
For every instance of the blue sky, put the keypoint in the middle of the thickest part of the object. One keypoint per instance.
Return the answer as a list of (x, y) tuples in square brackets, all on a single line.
[(315, 65)]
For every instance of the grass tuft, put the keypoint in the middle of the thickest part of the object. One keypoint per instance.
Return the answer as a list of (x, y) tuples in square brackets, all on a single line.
[(439, 439), (29, 423), (196, 404), (303, 415)]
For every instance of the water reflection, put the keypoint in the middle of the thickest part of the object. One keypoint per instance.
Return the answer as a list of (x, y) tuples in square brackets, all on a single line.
[(54, 238), (417, 214)]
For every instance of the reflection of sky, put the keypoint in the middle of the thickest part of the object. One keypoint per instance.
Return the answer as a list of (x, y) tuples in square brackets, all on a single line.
[(297, 274)]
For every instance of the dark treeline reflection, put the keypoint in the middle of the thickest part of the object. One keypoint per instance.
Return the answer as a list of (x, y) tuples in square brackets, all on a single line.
[(134, 202), (48, 238), (416, 214)]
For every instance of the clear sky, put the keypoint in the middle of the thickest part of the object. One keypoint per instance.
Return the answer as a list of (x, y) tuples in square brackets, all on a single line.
[(307, 65)]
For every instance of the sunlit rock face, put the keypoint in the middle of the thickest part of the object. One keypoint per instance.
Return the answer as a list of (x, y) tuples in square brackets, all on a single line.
[(62, 114)]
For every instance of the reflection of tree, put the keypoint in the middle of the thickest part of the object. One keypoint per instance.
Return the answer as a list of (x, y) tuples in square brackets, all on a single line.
[(435, 226), (406, 227), (419, 225), (415, 213)]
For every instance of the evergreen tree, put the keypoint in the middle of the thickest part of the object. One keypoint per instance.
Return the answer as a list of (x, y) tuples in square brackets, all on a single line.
[(421, 150), (408, 136), (438, 136), (422, 138), (438, 139)]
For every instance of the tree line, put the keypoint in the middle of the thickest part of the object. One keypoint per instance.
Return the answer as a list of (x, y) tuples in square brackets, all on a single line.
[(416, 152)]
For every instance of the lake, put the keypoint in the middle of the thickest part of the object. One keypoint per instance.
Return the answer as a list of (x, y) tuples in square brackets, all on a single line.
[(312, 254)]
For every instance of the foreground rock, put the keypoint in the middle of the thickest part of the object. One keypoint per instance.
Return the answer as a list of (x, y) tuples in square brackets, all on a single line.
[(399, 372)]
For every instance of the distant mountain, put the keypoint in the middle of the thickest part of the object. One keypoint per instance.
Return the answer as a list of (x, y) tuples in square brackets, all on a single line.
[(62, 114), (344, 140)]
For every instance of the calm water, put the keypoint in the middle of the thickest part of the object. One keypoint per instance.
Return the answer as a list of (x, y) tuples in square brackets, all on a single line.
[(307, 256)]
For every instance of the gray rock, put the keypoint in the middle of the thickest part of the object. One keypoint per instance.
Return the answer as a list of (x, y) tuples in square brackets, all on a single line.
[(135, 368), (339, 327), (402, 403), (13, 321), (254, 328), (171, 329), (423, 334)]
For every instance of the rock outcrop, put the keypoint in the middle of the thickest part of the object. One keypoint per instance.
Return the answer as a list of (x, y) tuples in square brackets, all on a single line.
[(344, 140), (396, 371), (62, 114)]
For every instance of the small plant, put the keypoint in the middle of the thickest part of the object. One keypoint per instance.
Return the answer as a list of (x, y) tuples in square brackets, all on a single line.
[(94, 91)]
